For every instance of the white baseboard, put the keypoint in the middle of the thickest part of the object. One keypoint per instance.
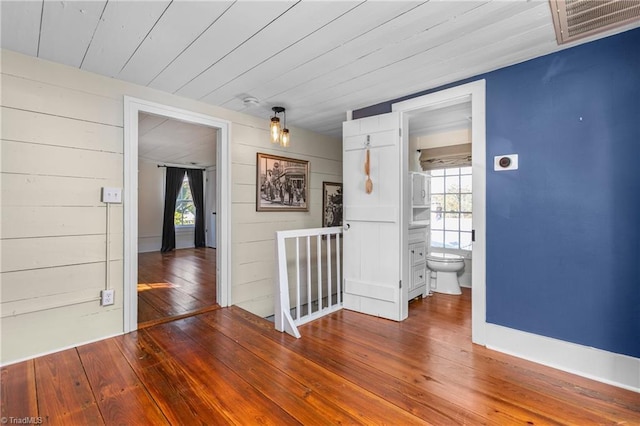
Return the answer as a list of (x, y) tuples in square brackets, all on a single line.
[(607, 367), (149, 244)]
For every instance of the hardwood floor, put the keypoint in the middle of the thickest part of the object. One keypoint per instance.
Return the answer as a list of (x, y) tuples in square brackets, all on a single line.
[(228, 366), (175, 284)]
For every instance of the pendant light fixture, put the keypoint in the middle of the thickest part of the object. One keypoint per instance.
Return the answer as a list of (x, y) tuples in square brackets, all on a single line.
[(279, 133)]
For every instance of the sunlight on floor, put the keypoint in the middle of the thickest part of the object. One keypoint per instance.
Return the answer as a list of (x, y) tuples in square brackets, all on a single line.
[(151, 286)]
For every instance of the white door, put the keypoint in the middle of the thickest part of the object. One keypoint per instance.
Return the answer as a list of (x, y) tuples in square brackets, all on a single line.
[(373, 222), (210, 208)]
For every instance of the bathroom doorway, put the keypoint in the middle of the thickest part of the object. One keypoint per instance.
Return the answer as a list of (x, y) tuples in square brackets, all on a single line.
[(458, 114)]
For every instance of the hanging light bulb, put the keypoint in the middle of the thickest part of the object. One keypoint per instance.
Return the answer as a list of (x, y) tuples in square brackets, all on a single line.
[(285, 138), (275, 129), (279, 133)]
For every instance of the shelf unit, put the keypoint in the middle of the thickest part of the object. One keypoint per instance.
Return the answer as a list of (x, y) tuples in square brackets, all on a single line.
[(419, 240), (420, 198)]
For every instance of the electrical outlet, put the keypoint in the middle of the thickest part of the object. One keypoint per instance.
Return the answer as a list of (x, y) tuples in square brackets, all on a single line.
[(107, 297)]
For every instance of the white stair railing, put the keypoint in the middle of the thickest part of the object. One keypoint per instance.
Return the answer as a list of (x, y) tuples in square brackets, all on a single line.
[(309, 273)]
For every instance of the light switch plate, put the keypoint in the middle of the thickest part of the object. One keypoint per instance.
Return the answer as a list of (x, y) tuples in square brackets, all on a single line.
[(505, 162), (111, 195)]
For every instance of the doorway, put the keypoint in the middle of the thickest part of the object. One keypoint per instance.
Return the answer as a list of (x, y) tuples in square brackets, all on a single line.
[(474, 94), (221, 266), (181, 281)]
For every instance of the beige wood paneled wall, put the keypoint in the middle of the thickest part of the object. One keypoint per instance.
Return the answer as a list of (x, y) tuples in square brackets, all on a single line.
[(62, 141)]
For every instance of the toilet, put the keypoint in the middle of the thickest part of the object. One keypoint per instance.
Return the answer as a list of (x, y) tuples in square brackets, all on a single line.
[(446, 266)]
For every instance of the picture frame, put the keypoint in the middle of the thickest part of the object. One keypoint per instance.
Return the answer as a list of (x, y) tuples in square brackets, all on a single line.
[(282, 184), (331, 204)]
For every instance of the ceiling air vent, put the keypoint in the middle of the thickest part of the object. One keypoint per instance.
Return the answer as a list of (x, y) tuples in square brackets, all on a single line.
[(574, 19)]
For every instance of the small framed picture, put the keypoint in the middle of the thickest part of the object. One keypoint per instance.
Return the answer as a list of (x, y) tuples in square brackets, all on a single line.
[(331, 204), (282, 184)]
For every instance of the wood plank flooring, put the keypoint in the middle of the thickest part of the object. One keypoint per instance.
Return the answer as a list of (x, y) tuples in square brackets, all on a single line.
[(175, 284), (227, 366)]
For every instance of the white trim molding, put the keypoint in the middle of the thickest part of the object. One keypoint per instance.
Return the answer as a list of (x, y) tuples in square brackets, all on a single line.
[(476, 93), (132, 107), (607, 367)]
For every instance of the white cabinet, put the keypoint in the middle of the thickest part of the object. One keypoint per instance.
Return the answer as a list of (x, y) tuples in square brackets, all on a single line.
[(420, 198), (418, 240)]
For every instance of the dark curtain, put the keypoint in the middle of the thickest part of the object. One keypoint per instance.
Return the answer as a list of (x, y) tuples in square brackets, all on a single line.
[(196, 183), (175, 176)]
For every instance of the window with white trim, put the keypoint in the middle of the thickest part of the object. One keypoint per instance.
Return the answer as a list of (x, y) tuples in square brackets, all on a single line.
[(451, 208), (185, 214)]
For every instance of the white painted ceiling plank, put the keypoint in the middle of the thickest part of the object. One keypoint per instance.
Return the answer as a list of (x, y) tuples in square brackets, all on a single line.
[(181, 24), (297, 23), (423, 42), (423, 62), (20, 26), (173, 141), (346, 27), (67, 29), (352, 62), (123, 27), (148, 122), (238, 24), (387, 35), (441, 73)]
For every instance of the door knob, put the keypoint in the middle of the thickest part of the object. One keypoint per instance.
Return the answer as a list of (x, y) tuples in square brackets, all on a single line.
[(346, 226)]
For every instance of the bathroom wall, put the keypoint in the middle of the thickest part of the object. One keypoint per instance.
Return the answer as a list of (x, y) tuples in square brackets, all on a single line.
[(563, 235)]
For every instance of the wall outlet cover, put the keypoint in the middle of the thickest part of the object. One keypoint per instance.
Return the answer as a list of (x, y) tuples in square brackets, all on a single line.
[(107, 297)]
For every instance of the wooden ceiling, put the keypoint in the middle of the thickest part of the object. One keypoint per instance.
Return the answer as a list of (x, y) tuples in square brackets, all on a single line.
[(316, 58)]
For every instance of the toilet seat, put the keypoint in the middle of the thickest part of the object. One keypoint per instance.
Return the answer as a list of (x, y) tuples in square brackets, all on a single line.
[(444, 257)]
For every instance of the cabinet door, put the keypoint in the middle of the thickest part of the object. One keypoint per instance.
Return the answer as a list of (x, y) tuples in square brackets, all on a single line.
[(418, 253), (420, 189), (418, 275)]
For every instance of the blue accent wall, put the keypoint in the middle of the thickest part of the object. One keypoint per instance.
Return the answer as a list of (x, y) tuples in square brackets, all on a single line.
[(563, 231)]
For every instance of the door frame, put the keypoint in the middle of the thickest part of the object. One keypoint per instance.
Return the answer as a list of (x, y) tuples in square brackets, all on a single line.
[(476, 91), (132, 107)]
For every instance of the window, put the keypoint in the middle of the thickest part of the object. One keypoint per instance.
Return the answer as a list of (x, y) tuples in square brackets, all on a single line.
[(185, 214), (451, 218)]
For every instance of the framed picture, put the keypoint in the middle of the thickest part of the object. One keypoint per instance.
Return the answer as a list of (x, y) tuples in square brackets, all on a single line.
[(282, 184), (331, 204)]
